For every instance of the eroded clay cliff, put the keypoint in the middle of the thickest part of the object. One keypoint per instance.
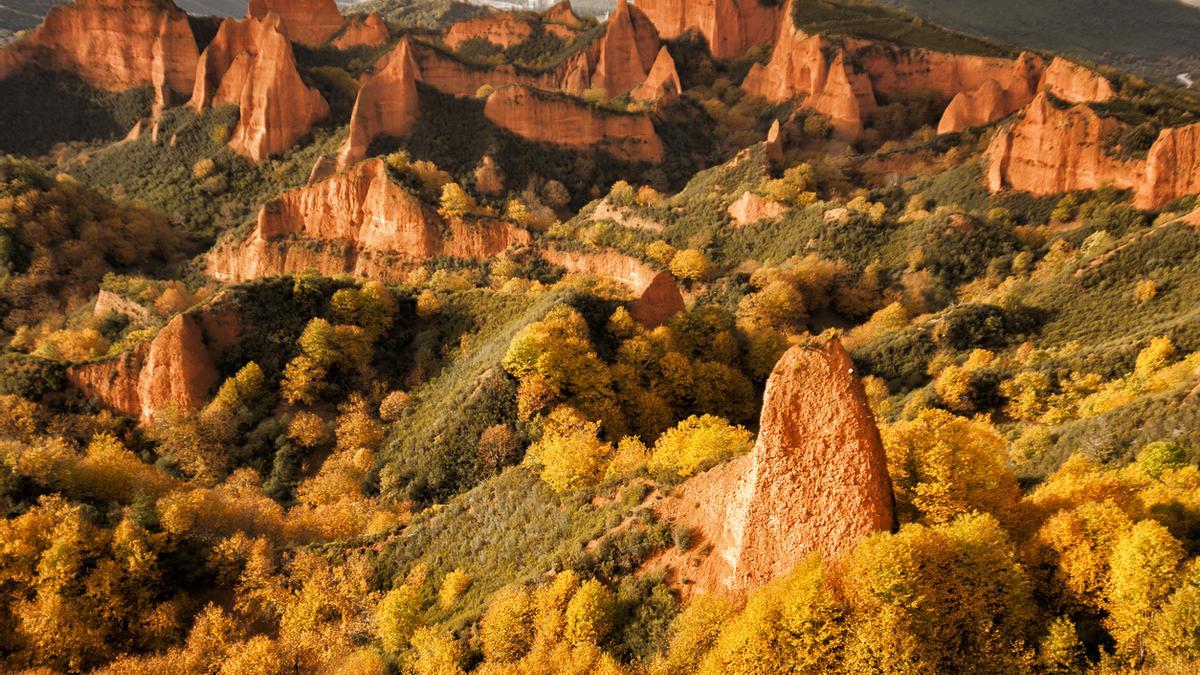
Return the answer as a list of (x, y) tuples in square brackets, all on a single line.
[(842, 78), (111, 44), (657, 294), (363, 31), (816, 480), (731, 27), (662, 82), (358, 222), (387, 104), (175, 370), (627, 51), (310, 22), (250, 63), (1076, 84), (565, 121)]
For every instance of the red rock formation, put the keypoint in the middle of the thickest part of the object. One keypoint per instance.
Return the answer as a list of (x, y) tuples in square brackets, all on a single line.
[(111, 44), (503, 29), (177, 369), (995, 98), (360, 223), (1048, 151), (627, 51), (802, 66), (250, 63), (1172, 168), (568, 122), (751, 208), (731, 27), (563, 14), (662, 83), (774, 143), (841, 78), (363, 31), (387, 104), (1074, 83), (658, 295), (310, 22), (447, 74), (816, 480)]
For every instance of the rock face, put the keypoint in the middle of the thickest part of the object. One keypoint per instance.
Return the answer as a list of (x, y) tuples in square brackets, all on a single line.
[(751, 208), (1051, 150), (816, 480), (1048, 151), (995, 98), (1074, 83), (504, 29), (250, 63), (658, 295), (177, 369), (842, 78), (731, 27), (617, 62), (363, 31), (564, 121), (662, 83), (816, 69), (387, 104), (359, 223), (111, 44), (627, 51), (1172, 168), (310, 22)]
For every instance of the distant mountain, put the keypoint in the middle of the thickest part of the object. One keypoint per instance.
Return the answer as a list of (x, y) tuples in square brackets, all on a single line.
[(1153, 38)]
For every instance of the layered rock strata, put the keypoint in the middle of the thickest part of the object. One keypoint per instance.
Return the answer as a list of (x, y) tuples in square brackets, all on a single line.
[(568, 122), (359, 223)]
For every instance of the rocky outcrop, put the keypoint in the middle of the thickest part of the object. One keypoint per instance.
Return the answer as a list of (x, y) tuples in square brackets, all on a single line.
[(1049, 150), (658, 295), (751, 208), (818, 70), (564, 121), (310, 22), (387, 104), (995, 99), (563, 14), (1172, 168), (1052, 149), (111, 44), (503, 29), (617, 62), (363, 31), (250, 63), (108, 302), (360, 223), (816, 481), (1076, 84), (447, 74), (731, 27), (627, 51), (842, 79), (662, 83), (175, 370)]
